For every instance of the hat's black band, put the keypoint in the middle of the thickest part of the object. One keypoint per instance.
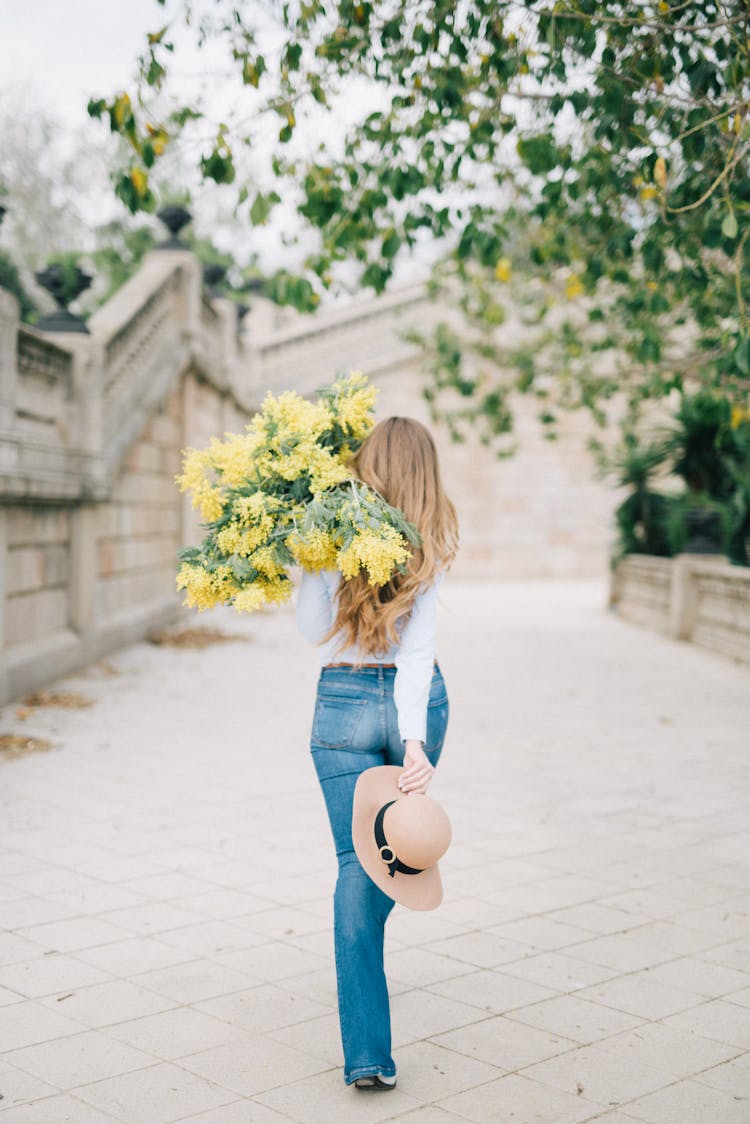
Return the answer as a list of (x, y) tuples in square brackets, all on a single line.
[(387, 854)]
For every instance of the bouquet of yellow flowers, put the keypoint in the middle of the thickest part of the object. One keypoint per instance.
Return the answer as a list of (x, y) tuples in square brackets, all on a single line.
[(281, 494)]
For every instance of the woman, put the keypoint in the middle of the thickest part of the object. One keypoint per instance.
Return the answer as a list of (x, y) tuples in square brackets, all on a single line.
[(381, 700)]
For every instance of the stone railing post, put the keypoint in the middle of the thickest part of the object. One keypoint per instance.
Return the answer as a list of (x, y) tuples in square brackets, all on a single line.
[(227, 312), (84, 416), (683, 593), (191, 290), (9, 320)]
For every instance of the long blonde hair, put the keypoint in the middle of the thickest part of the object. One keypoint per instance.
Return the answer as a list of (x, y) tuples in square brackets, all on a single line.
[(399, 460)]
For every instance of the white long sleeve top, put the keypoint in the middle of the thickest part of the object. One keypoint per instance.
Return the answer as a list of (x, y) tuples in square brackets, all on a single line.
[(414, 655)]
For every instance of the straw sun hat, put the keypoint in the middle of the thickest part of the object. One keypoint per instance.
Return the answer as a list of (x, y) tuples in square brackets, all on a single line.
[(399, 838)]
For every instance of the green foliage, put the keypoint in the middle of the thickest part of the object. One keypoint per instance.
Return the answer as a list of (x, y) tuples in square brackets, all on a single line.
[(643, 518), (704, 446), (593, 157), (10, 279), (707, 448), (680, 511)]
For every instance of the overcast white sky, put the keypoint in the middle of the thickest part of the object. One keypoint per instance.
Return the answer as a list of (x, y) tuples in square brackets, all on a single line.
[(69, 50), (58, 53)]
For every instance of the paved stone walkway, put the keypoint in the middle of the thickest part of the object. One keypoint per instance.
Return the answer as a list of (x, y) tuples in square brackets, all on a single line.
[(166, 872)]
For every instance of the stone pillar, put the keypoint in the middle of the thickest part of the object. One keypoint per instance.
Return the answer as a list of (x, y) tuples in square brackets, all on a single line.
[(83, 569), (87, 372), (190, 533), (8, 368), (83, 421), (191, 288), (226, 310)]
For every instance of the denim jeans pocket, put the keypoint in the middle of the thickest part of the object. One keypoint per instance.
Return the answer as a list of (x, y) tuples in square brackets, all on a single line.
[(336, 720)]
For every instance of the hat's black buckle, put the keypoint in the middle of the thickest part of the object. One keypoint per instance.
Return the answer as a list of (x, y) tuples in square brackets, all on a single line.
[(386, 852)]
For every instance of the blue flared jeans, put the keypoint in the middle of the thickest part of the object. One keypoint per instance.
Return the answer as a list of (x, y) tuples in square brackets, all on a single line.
[(355, 727)]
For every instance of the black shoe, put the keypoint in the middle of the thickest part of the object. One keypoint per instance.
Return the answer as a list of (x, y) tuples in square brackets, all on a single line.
[(375, 1082)]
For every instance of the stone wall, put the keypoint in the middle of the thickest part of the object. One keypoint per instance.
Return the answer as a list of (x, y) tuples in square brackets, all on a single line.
[(138, 530), (538, 514), (80, 579), (37, 573)]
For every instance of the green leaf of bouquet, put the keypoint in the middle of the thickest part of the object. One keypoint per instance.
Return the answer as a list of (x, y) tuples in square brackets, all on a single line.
[(241, 568), (189, 554)]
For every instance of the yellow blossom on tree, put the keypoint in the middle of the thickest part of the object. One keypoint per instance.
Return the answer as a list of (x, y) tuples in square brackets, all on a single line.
[(121, 108), (573, 286), (139, 180), (503, 270), (660, 172)]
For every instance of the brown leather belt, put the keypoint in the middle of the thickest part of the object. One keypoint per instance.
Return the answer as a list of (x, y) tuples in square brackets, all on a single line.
[(358, 665)]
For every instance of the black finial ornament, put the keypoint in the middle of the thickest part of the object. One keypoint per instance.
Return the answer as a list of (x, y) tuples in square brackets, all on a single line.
[(64, 284), (213, 275), (175, 217), (252, 285)]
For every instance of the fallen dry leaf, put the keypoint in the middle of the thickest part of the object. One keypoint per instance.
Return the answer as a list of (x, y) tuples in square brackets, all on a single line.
[(100, 670), (18, 745), (193, 637), (70, 700)]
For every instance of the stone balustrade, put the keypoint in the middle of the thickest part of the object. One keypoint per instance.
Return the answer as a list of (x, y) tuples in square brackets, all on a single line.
[(700, 598), (365, 335), (91, 431)]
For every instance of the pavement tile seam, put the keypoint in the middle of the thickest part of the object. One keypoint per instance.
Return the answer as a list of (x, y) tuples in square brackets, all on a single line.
[(669, 1080), (182, 1061)]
